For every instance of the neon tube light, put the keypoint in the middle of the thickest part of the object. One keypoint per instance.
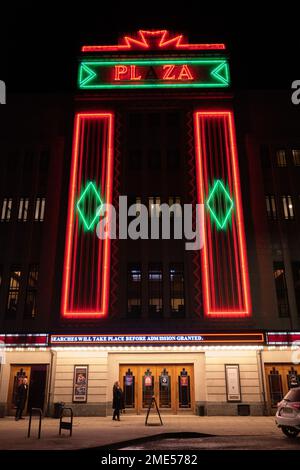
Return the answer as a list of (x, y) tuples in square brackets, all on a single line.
[(156, 39), (168, 73), (226, 290), (85, 289)]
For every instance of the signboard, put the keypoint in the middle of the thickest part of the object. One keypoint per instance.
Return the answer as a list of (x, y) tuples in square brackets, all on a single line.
[(233, 387), (154, 73), (198, 339), (164, 380), (128, 380), (282, 338), (148, 381), (80, 384), (184, 380)]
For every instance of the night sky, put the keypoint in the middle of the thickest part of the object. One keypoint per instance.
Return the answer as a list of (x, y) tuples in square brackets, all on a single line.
[(42, 40)]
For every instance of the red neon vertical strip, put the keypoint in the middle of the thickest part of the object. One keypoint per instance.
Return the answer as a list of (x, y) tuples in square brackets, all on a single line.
[(233, 288), (91, 131)]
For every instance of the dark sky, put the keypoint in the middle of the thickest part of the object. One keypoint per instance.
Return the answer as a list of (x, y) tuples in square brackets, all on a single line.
[(42, 39)]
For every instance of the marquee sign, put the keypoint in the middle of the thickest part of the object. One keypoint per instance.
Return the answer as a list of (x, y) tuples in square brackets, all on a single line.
[(282, 338), (154, 73), (200, 339)]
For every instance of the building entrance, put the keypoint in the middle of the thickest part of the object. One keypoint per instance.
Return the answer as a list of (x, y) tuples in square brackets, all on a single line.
[(172, 386), (37, 376), (280, 378)]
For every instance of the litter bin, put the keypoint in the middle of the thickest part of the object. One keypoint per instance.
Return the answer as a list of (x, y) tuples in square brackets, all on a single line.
[(243, 410), (57, 409), (201, 410)]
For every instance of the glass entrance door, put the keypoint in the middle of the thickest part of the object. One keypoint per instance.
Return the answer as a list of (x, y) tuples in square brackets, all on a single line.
[(171, 385)]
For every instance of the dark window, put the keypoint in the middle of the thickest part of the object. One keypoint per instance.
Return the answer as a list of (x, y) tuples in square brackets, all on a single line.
[(265, 157), (154, 206), (44, 160), (134, 290), (288, 207), (155, 289), (29, 160), (296, 157), (39, 212), (154, 159), (296, 276), (176, 275), (6, 209), (281, 289), (135, 159), (281, 158), (14, 290), (23, 209), (271, 207), (30, 310), (173, 158)]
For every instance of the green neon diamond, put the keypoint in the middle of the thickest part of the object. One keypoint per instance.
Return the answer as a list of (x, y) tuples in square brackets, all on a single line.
[(220, 204), (88, 204)]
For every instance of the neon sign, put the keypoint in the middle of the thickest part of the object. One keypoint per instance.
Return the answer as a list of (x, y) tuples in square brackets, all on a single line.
[(85, 291), (226, 290), (154, 39), (154, 73)]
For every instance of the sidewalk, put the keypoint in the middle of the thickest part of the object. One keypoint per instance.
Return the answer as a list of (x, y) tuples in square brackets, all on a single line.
[(95, 432)]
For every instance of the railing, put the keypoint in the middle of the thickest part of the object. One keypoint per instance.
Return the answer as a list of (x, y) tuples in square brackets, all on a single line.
[(40, 412), (66, 424)]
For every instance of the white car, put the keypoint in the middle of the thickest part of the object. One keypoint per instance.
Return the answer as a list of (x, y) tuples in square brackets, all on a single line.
[(288, 413)]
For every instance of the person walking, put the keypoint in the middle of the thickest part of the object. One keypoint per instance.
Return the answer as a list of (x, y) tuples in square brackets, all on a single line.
[(21, 397), (117, 400)]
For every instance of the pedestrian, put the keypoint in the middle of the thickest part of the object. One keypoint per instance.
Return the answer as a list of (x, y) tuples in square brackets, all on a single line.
[(117, 400), (21, 397)]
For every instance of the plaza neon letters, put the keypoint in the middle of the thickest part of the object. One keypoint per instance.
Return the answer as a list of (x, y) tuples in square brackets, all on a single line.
[(166, 72)]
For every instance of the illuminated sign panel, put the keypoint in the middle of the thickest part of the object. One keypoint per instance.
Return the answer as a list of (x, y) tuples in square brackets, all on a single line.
[(86, 275), (226, 291), (154, 73), (196, 339)]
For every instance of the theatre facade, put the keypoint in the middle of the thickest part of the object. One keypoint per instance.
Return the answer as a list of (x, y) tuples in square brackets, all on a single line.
[(213, 330)]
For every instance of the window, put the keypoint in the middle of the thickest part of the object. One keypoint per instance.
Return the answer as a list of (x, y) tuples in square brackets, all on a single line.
[(154, 159), (155, 289), (44, 161), (271, 207), (296, 157), (14, 290), (154, 202), (134, 290), (296, 276), (6, 209), (281, 158), (39, 212), (281, 290), (265, 157), (138, 203), (176, 276), (23, 209), (288, 207), (31, 292), (135, 159), (175, 200)]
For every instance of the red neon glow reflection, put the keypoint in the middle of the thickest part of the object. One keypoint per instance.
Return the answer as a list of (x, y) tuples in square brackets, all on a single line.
[(226, 290), (76, 275), (157, 39)]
